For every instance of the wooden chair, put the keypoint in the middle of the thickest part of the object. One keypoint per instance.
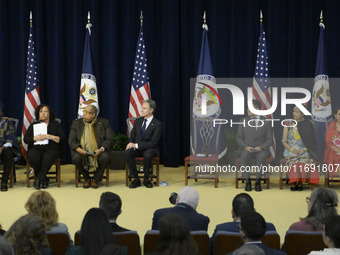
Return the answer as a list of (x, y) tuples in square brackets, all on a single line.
[(78, 177), (303, 242), (51, 175), (265, 178), (205, 136), (11, 174), (129, 239), (226, 241), (327, 180), (139, 161), (58, 242), (151, 240)]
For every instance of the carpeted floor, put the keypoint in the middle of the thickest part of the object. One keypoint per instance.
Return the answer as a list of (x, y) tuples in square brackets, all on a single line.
[(281, 207)]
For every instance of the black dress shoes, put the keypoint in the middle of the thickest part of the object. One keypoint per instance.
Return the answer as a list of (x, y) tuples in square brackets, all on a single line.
[(248, 186), (44, 184), (4, 187), (37, 183), (147, 183), (258, 187), (135, 183)]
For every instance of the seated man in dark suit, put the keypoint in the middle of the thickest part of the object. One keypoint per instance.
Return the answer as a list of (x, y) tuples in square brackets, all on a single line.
[(112, 206), (252, 229), (254, 140), (186, 205), (8, 147), (242, 203), (90, 140), (144, 138)]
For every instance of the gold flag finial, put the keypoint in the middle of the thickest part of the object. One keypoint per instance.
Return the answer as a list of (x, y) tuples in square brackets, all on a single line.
[(88, 17), (261, 16), (141, 18)]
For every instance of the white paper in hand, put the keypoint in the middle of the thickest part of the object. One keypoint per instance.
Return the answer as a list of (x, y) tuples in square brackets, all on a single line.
[(40, 129)]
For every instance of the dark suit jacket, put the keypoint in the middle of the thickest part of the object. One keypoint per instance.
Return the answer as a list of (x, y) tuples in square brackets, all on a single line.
[(267, 250), (151, 136), (116, 228), (195, 220), (250, 136), (233, 227), (103, 131)]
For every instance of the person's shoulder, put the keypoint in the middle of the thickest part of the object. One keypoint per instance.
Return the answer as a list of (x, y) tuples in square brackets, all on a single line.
[(225, 226), (332, 124), (270, 226), (156, 121), (301, 226), (164, 210)]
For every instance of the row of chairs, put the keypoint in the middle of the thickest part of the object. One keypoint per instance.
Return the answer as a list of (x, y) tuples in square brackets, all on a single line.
[(205, 145), (296, 242), (55, 174)]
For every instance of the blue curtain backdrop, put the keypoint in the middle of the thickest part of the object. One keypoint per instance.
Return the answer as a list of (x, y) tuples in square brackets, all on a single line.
[(172, 33)]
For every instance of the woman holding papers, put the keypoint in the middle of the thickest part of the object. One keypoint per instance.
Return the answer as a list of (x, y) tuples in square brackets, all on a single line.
[(44, 138)]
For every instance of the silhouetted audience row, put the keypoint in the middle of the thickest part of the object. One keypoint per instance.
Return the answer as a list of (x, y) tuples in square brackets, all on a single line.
[(28, 234)]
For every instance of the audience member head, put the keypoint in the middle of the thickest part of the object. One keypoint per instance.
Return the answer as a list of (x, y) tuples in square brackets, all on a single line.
[(111, 204), (90, 113), (242, 203), (252, 226), (321, 205), (188, 195), (43, 204), (175, 237), (249, 249), (5, 247), (27, 235), (331, 235), (95, 231), (40, 108)]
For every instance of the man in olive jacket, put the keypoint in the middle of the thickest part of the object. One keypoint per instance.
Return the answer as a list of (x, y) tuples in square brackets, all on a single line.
[(90, 141)]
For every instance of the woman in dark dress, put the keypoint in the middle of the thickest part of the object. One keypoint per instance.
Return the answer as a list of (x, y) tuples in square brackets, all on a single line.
[(41, 156)]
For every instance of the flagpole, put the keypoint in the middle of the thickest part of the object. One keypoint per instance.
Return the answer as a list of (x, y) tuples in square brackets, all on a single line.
[(261, 17), (88, 17), (141, 18), (30, 18), (205, 25)]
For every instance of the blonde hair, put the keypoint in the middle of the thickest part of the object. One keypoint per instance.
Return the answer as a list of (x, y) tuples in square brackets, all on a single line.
[(43, 204)]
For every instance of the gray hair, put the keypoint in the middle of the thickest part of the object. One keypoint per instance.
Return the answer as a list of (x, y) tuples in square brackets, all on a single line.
[(189, 195), (323, 203), (249, 249), (152, 104)]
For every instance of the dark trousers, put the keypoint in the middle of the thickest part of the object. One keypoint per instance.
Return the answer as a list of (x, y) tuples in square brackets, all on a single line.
[(260, 158), (41, 160), (7, 157), (147, 155), (103, 160)]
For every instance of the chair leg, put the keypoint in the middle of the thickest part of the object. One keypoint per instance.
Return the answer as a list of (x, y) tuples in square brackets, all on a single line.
[(57, 168), (27, 175), (11, 176), (186, 173), (126, 174), (108, 176), (157, 174), (76, 177)]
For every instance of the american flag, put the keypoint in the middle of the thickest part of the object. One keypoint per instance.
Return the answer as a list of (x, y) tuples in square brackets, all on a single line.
[(261, 84), (32, 94), (140, 88)]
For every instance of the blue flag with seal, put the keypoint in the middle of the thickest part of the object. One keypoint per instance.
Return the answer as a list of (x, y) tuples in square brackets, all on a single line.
[(206, 105), (321, 100), (88, 86)]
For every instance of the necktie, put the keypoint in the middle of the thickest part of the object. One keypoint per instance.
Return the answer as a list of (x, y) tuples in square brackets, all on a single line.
[(144, 126)]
